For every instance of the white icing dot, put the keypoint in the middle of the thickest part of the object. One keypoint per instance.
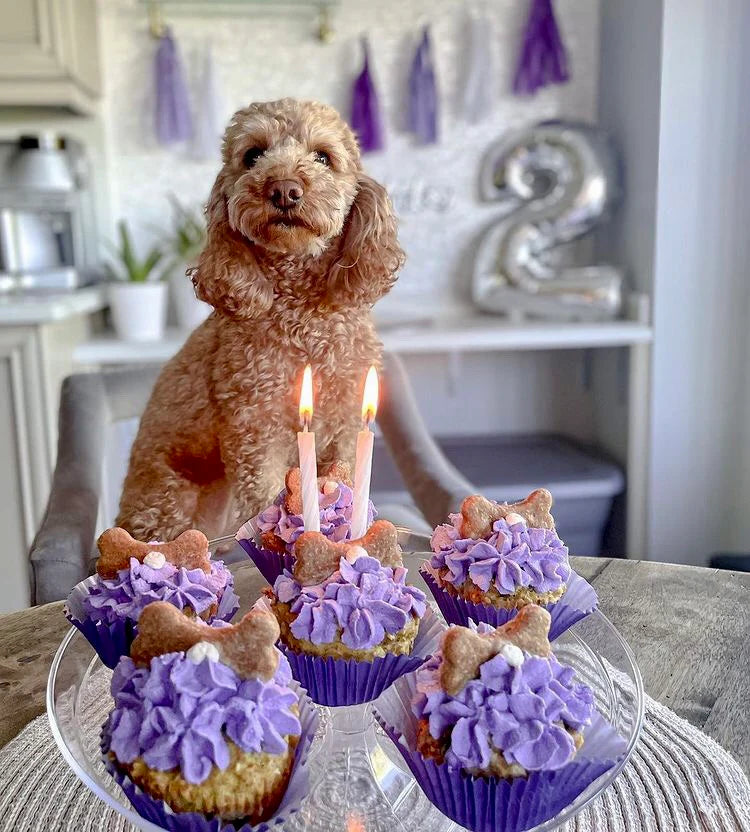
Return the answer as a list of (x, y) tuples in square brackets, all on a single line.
[(155, 559), (355, 553), (202, 650), (329, 486), (513, 655), (512, 518)]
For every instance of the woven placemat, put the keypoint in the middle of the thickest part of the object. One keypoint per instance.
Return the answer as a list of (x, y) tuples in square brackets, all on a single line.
[(678, 780)]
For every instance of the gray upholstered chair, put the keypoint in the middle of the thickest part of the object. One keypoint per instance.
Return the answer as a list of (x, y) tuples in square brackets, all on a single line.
[(97, 421)]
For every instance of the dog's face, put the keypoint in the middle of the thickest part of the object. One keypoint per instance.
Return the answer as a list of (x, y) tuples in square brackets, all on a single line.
[(290, 175), (291, 186)]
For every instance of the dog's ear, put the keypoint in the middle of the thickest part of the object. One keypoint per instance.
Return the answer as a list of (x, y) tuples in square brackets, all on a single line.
[(370, 255), (228, 275)]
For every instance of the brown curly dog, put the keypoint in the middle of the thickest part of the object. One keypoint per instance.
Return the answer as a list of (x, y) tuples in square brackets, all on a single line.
[(300, 245)]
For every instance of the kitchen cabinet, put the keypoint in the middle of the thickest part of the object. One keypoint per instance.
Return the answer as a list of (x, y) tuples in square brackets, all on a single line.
[(37, 338), (49, 54)]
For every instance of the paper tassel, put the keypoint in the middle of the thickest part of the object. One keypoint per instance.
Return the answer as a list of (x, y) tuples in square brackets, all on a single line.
[(543, 59), (209, 119), (366, 121), (173, 120), (423, 101), (475, 90)]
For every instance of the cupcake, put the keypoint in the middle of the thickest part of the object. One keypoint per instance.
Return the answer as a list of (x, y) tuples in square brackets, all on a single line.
[(497, 703), (205, 719), (131, 575), (493, 559), (497, 732), (349, 622), (270, 536)]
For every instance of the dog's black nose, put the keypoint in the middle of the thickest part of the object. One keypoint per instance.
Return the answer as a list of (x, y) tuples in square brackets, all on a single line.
[(285, 193)]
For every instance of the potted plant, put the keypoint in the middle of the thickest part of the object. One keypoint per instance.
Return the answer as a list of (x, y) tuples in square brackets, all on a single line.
[(189, 237), (137, 295)]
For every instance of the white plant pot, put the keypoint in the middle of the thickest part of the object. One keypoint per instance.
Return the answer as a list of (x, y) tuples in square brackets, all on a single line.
[(139, 310), (189, 311)]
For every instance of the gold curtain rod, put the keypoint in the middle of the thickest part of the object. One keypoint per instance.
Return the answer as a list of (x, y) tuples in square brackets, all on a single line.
[(325, 31)]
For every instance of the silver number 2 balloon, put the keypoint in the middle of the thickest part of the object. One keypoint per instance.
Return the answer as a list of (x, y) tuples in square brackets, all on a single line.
[(557, 181)]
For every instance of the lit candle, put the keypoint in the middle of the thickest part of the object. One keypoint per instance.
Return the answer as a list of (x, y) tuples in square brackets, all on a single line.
[(363, 464), (307, 462)]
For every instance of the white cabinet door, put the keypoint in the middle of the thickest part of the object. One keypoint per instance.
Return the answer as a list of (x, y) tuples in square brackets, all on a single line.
[(24, 460), (49, 53)]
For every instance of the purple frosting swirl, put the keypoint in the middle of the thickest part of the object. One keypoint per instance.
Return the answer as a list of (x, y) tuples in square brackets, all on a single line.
[(335, 517), (523, 712), (177, 714), (363, 599), (125, 596), (514, 556)]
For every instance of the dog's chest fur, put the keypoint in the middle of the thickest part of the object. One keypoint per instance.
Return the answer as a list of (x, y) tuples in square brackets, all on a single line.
[(263, 360)]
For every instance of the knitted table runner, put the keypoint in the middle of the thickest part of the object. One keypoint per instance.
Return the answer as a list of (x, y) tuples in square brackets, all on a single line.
[(678, 780)]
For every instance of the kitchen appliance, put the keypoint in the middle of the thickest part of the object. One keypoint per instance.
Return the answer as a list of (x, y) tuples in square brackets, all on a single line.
[(47, 228)]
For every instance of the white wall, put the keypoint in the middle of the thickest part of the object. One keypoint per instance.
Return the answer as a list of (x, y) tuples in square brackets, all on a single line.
[(701, 281), (264, 56), (675, 90)]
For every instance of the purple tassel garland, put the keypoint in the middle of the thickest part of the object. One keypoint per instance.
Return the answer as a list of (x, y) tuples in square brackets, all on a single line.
[(366, 121), (173, 121), (423, 99), (543, 59)]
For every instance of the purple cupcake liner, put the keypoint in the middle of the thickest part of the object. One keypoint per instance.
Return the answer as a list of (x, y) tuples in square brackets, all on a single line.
[(270, 564), (229, 603), (495, 804), (580, 599), (158, 812), (111, 641), (338, 682)]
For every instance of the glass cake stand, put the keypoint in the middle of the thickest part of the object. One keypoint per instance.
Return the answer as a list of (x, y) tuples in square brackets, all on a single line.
[(358, 780)]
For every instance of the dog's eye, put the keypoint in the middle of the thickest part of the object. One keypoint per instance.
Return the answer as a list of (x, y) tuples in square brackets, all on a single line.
[(251, 156), (322, 157)]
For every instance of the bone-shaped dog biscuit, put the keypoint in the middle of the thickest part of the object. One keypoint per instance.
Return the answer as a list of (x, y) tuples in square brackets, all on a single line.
[(247, 647), (479, 513), (338, 471), (116, 547), (316, 557), (464, 650)]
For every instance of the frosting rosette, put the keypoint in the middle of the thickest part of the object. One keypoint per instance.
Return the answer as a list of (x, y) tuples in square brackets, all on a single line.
[(528, 713), (513, 557), (362, 602), (335, 517), (179, 715), (124, 597)]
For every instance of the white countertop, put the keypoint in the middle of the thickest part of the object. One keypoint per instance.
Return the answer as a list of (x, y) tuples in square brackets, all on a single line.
[(39, 308)]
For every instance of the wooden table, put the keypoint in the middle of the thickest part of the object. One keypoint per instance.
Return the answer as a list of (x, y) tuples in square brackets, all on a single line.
[(689, 628)]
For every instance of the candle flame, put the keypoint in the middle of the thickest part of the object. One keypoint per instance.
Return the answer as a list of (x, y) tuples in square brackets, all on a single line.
[(354, 823), (306, 398), (370, 396)]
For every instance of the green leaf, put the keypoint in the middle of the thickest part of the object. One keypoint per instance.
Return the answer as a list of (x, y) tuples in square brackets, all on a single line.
[(189, 229), (126, 259)]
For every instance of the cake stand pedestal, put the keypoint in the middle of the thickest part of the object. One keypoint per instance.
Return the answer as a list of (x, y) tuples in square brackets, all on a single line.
[(358, 787)]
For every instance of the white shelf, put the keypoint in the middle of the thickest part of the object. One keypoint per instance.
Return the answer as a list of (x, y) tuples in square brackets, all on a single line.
[(44, 307), (486, 333), (465, 332)]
